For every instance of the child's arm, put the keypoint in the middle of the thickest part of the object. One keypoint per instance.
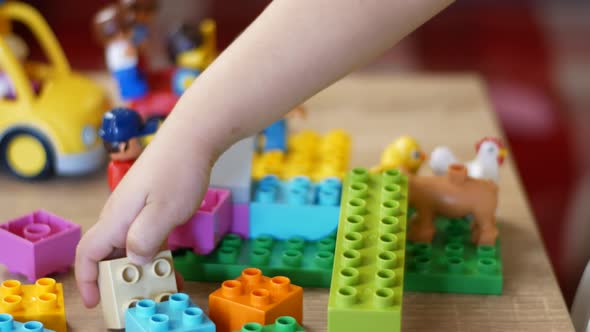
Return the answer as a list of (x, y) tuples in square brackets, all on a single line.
[(293, 50)]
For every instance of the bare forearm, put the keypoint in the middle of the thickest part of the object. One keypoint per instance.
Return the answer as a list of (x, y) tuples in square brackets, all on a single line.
[(292, 51)]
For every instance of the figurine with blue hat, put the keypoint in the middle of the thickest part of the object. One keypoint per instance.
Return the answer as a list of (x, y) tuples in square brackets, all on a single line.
[(121, 131)]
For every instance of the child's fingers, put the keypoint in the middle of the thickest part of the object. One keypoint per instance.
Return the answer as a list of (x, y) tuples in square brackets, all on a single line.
[(151, 228), (105, 240), (91, 250)]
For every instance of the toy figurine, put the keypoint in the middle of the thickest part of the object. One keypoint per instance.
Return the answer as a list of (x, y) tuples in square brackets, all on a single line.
[(453, 195), (491, 153), (192, 48), (113, 28), (121, 131), (142, 13), (275, 135), (20, 50), (404, 153)]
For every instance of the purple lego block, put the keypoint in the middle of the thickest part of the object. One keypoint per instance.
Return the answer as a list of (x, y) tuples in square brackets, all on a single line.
[(38, 244), (207, 226), (241, 224)]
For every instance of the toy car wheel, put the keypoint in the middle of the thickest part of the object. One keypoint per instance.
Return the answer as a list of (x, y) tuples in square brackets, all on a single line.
[(27, 154)]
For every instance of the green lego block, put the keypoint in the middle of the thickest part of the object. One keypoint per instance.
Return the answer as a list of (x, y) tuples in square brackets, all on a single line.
[(306, 263), (282, 324), (368, 277), (452, 263)]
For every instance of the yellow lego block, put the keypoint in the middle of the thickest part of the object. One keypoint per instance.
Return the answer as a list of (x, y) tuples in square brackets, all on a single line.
[(43, 302), (308, 154), (122, 284)]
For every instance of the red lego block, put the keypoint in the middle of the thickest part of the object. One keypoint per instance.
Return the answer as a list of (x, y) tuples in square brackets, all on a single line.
[(254, 298), (207, 226)]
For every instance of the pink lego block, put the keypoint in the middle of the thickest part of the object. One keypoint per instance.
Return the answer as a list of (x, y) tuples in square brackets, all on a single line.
[(241, 223), (207, 226), (38, 244)]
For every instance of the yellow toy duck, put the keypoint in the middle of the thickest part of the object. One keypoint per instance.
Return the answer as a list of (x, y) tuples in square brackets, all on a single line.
[(404, 153)]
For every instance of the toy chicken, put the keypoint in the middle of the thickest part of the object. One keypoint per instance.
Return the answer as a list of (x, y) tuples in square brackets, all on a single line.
[(404, 153), (491, 153)]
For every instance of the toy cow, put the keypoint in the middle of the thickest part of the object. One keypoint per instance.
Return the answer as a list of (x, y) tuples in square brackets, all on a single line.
[(453, 195)]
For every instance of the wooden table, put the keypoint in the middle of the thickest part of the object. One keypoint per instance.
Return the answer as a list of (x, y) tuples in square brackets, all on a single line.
[(451, 110)]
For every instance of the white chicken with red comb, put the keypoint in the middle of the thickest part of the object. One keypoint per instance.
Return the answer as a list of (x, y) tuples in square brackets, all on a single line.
[(491, 153)]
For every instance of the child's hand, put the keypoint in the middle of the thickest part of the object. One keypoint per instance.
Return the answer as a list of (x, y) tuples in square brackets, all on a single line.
[(161, 191), (253, 83)]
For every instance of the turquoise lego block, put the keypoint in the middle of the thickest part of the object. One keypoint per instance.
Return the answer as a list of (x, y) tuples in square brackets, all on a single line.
[(367, 281), (452, 263), (178, 314), (306, 263), (295, 208), (8, 324), (282, 324)]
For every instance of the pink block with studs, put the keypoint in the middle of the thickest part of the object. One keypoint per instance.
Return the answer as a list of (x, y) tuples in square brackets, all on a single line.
[(203, 231), (38, 244)]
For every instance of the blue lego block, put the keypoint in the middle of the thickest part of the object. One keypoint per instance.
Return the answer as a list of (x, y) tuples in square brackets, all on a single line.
[(178, 314), (275, 136), (8, 324), (295, 208)]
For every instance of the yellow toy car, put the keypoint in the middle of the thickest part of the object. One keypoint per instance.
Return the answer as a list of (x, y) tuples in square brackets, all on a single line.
[(49, 125)]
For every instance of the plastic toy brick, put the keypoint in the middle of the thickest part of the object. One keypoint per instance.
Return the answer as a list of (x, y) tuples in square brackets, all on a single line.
[(452, 263), (207, 226), (367, 282), (122, 284), (8, 324), (254, 298), (309, 155), (232, 170), (307, 264), (43, 302), (282, 324), (296, 207), (241, 223), (177, 314), (38, 244)]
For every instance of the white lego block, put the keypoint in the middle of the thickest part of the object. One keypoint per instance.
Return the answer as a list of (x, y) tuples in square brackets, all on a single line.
[(233, 170), (122, 284)]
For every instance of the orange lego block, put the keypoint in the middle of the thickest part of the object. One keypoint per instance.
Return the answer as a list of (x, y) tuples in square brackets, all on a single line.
[(43, 302), (122, 284), (255, 298)]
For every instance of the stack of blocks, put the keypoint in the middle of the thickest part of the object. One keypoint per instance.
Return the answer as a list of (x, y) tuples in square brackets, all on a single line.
[(38, 244), (298, 193), (368, 278), (8, 324), (452, 263), (205, 229), (123, 284), (307, 263), (255, 298), (282, 324), (42, 302), (177, 314)]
